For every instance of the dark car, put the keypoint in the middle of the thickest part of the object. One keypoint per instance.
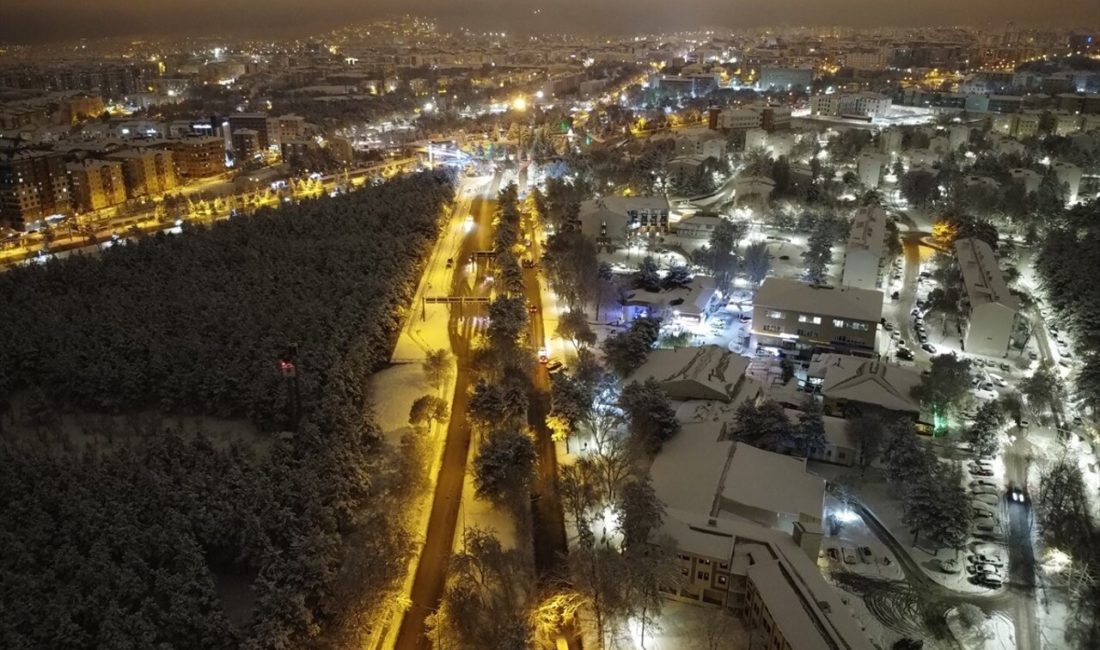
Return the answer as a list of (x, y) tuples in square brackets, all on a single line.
[(904, 353), (928, 347), (450, 262)]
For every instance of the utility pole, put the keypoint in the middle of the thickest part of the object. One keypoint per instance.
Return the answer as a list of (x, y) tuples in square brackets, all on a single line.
[(288, 366)]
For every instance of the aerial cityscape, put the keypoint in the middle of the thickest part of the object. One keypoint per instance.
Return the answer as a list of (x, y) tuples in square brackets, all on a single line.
[(511, 325)]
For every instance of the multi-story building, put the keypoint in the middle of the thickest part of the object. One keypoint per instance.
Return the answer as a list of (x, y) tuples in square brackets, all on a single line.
[(991, 309), (257, 122), (246, 144), (199, 156), (147, 172), (869, 169), (33, 185), (780, 78), (96, 184), (1029, 178), (612, 220), (286, 128), (792, 314), (851, 105), (866, 249)]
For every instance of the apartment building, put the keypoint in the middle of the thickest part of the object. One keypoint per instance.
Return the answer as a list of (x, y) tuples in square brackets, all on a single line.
[(147, 172), (257, 122), (852, 104), (782, 78), (792, 314), (199, 156), (611, 220), (866, 249), (33, 185), (991, 309), (96, 184)]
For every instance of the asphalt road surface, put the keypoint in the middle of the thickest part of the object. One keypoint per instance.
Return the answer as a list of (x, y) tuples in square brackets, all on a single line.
[(431, 572)]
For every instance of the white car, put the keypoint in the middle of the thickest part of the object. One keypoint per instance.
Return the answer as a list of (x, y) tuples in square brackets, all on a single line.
[(998, 380), (985, 393)]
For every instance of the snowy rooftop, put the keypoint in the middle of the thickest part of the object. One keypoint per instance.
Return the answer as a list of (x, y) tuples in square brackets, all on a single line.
[(836, 429), (867, 381), (982, 276), (772, 482), (842, 302), (806, 608), (687, 471), (690, 300), (868, 231), (707, 372)]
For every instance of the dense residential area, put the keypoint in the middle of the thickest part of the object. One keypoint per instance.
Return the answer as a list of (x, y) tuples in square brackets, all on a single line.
[(408, 335)]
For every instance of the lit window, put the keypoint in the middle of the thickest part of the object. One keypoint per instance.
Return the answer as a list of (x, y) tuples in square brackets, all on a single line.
[(838, 323), (774, 314)]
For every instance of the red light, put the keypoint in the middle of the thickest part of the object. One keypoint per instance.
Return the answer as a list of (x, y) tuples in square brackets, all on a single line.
[(286, 365)]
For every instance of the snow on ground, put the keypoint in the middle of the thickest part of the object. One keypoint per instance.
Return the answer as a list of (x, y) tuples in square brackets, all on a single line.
[(996, 632), (875, 494), (474, 512), (846, 538), (684, 625)]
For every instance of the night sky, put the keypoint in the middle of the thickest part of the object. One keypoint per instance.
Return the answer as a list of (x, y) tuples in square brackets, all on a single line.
[(39, 20)]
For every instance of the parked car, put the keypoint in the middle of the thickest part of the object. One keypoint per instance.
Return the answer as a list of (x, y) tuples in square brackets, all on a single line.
[(982, 483), (849, 556), (980, 471), (904, 353), (928, 347), (949, 566), (986, 558), (990, 499), (450, 262)]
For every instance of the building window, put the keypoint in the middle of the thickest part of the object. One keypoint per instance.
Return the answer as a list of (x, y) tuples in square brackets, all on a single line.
[(704, 562), (838, 322), (702, 575), (722, 580), (859, 327), (774, 314), (803, 318), (683, 556), (685, 572), (842, 455), (772, 328), (723, 565)]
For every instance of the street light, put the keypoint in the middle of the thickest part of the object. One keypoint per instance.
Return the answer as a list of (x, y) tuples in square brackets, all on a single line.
[(519, 103)]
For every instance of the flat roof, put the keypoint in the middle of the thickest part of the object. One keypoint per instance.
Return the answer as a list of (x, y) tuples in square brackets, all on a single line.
[(844, 302), (868, 230), (982, 277)]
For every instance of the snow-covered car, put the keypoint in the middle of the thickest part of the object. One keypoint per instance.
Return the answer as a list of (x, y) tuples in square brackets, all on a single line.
[(985, 393), (982, 483), (849, 556), (984, 489), (986, 558), (949, 566), (990, 499)]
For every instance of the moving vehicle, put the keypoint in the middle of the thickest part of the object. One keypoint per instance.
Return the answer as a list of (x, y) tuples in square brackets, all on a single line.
[(928, 347), (905, 353), (543, 356), (450, 262)]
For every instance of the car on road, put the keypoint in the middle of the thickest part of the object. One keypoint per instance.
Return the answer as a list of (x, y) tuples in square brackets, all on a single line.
[(532, 307), (904, 353), (553, 366), (1016, 494), (450, 262), (888, 326), (528, 263), (928, 347), (998, 380), (1005, 367)]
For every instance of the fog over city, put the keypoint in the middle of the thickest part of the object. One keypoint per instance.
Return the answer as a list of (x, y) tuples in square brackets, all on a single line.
[(51, 20)]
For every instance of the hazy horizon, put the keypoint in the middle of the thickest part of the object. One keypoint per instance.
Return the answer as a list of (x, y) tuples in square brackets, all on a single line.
[(41, 21)]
